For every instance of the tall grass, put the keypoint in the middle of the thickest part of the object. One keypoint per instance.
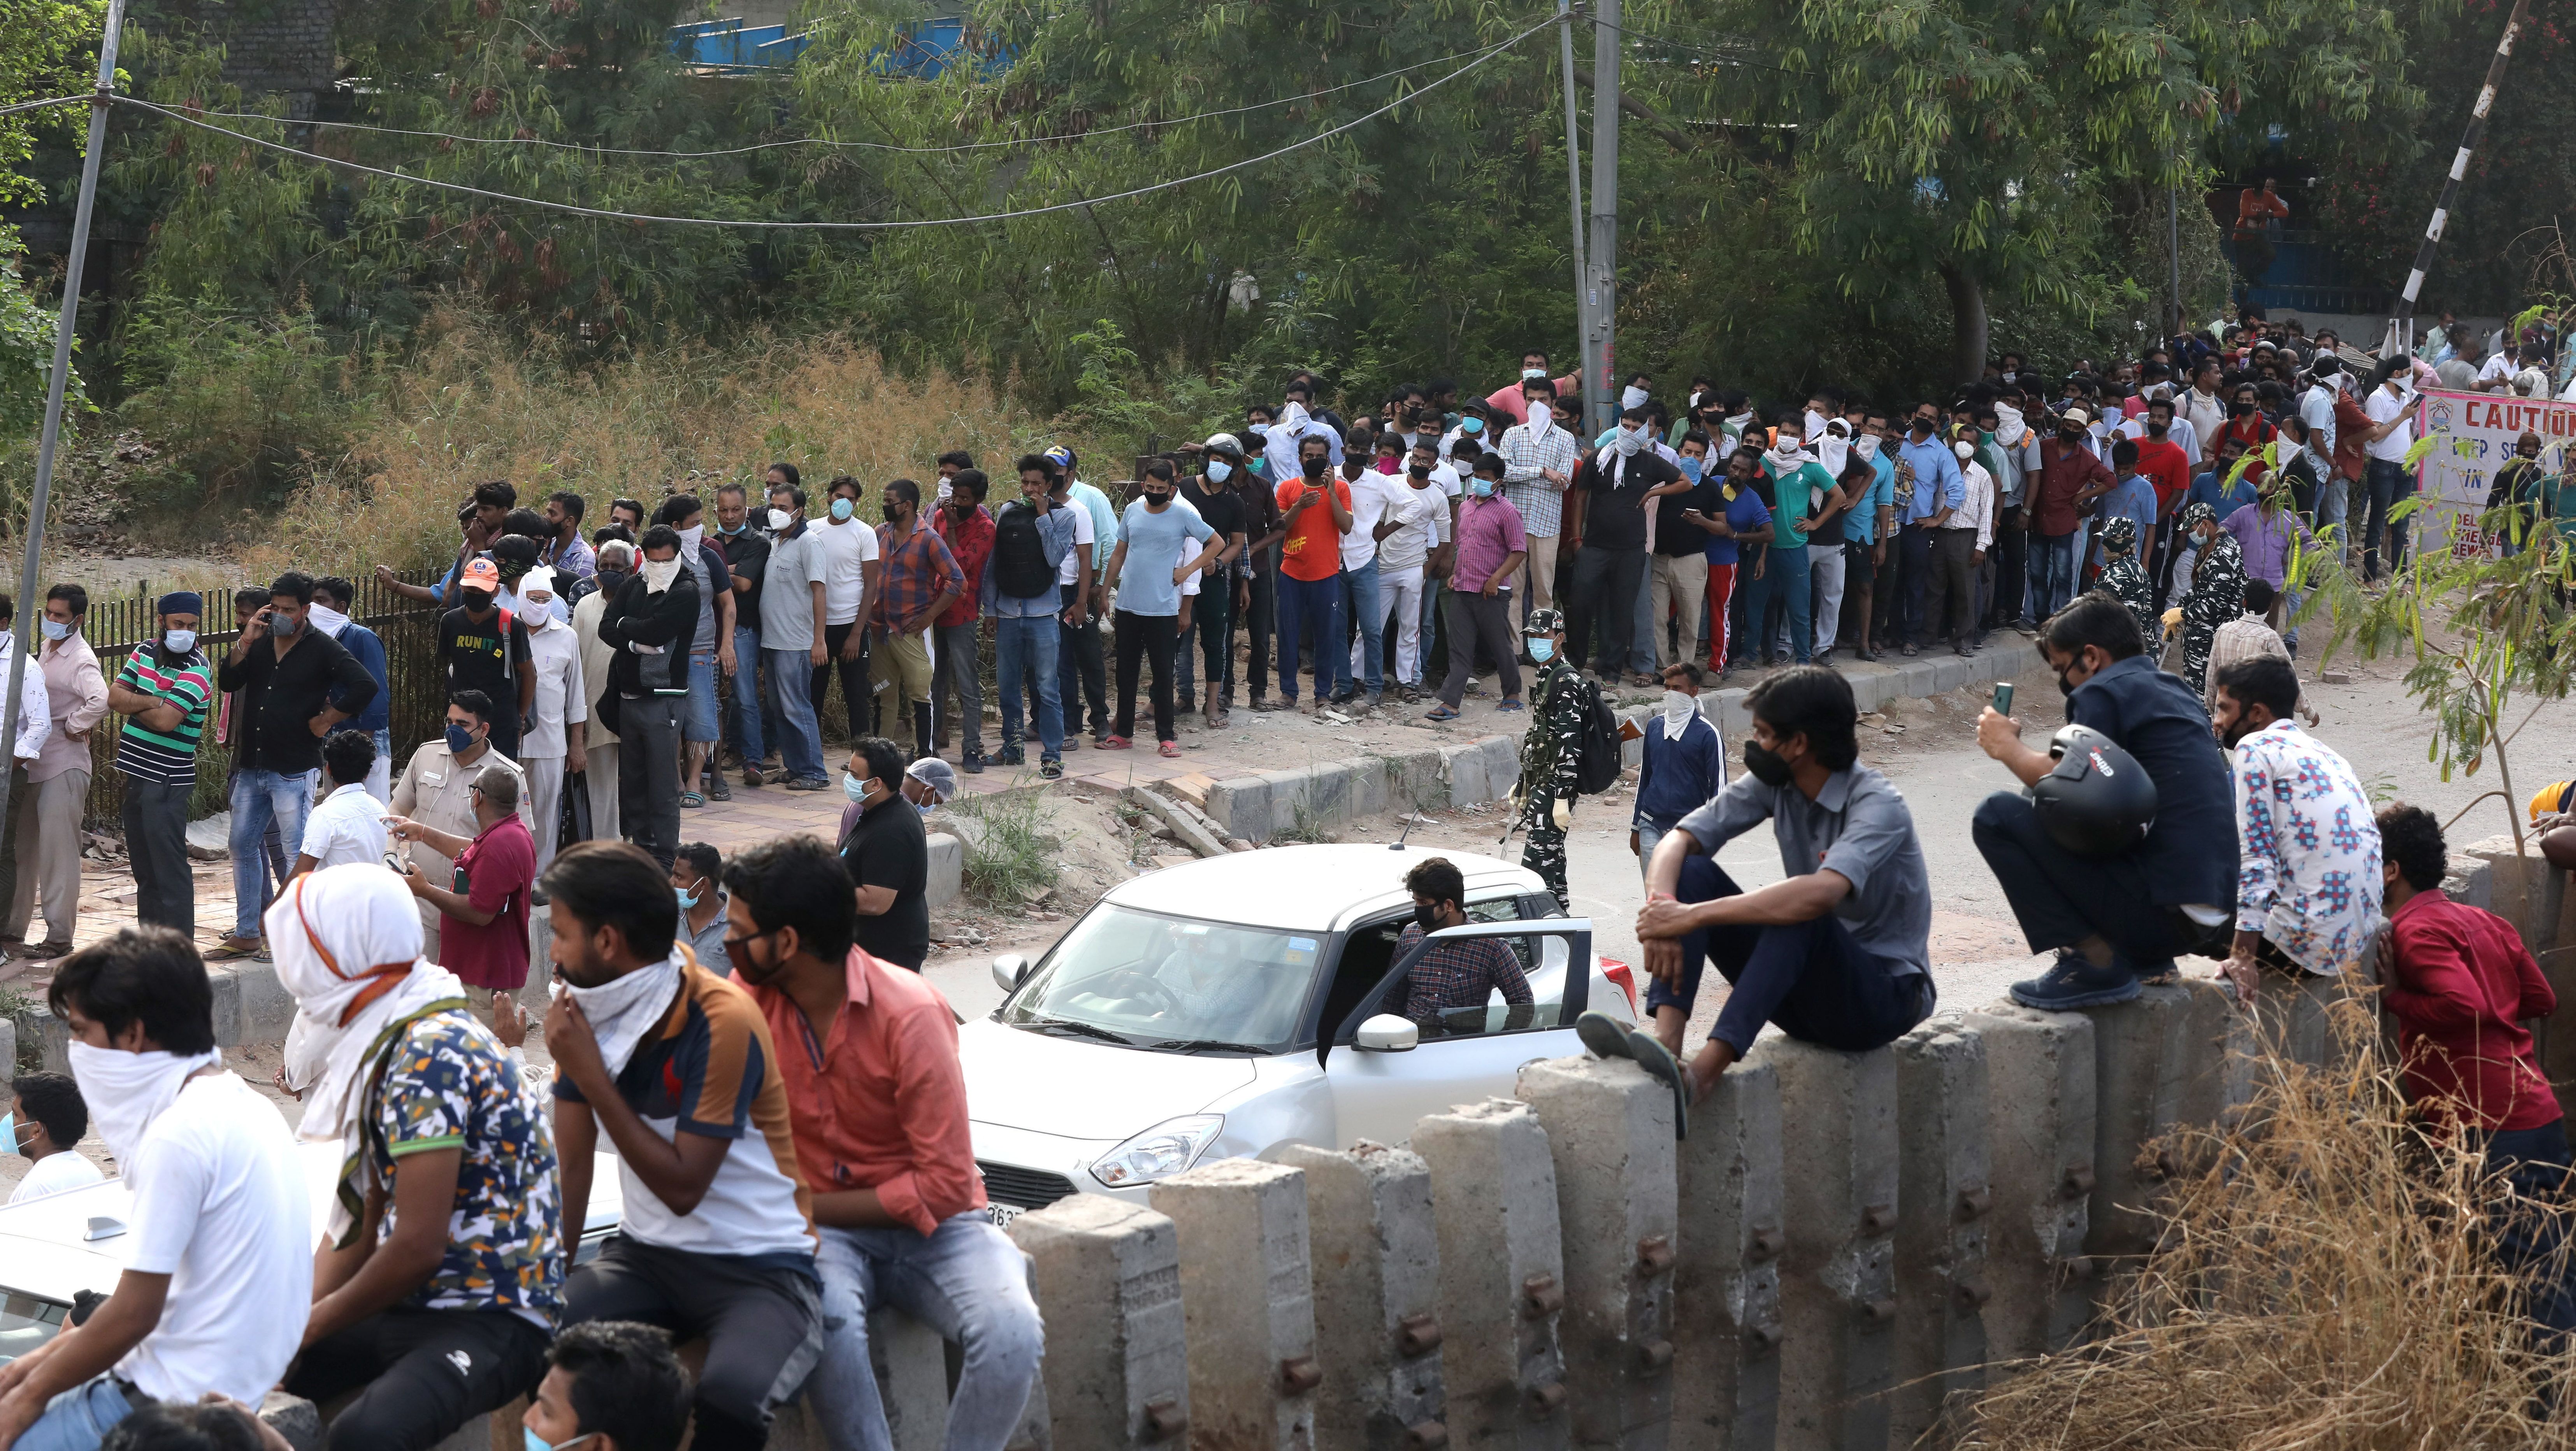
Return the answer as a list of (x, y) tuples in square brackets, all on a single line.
[(2325, 1284), (1011, 858), (470, 406)]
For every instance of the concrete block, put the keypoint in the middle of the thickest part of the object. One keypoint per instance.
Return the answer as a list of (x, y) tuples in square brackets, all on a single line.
[(1288, 798), (1728, 713), (267, 1009), (1610, 1131), (52, 1048), (1108, 1278), (1419, 784), (2158, 1063), (947, 870), (1502, 763), (1329, 792), (1370, 793), (9, 1045), (1376, 1258), (2039, 1154), (1917, 677), (1242, 807), (1868, 687), (1837, 1280), (1726, 1285), (296, 1419), (1248, 1298), (1502, 1275), (1945, 1200), (1469, 782)]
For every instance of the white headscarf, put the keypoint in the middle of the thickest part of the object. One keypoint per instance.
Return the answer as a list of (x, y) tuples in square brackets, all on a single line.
[(541, 580), (1834, 449), (348, 940), (1785, 453)]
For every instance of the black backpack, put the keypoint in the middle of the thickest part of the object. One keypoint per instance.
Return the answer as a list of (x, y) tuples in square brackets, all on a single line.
[(1020, 568), (1596, 767)]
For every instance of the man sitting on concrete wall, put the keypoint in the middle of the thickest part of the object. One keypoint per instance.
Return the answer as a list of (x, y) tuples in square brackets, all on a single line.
[(878, 1103), (1839, 951)]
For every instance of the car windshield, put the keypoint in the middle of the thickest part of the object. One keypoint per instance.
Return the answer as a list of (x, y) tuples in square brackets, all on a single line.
[(25, 1324), (1173, 983)]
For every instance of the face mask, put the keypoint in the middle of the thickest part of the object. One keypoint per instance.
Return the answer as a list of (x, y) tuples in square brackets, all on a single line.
[(1218, 471), (1426, 917), (1419, 471), (539, 1443), (854, 788), (611, 580), (127, 1091), (1693, 467), (1679, 707), (1533, 372), (1540, 413), (1628, 442), (1632, 397), (687, 898), (1471, 426), (1924, 426), (179, 642), (1258, 466), (1542, 650), (1261, 430), (945, 489), (2240, 408), (1765, 764), (54, 629), (1156, 499), (925, 808), (1964, 449), (1866, 445), (842, 509), (9, 1128), (690, 538), (2158, 430), (780, 518), (477, 600), (1314, 467), (1482, 488), (460, 739), (2070, 436), (284, 626), (658, 574), (541, 612), (730, 530)]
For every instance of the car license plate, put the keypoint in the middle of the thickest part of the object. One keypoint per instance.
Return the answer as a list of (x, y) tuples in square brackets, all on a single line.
[(1003, 1214)]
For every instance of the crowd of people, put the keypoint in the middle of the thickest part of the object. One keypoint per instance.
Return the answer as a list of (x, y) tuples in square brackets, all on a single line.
[(782, 1098)]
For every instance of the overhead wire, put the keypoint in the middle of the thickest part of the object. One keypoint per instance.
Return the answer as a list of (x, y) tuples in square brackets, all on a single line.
[(908, 224), (856, 145), (1721, 57), (37, 105)]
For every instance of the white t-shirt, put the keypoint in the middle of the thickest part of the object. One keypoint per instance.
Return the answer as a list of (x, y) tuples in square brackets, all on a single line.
[(1424, 514), (1085, 535), (2381, 407), (555, 660), (2499, 366), (221, 1208), (349, 825), (846, 549), (56, 1174), (1369, 499)]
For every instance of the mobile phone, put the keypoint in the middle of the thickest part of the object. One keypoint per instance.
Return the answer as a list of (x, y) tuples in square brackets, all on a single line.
[(2003, 698)]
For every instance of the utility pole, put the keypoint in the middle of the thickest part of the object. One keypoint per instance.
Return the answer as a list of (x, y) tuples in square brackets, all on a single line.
[(51, 438), (2401, 321), (1600, 293), (1574, 194), (2173, 253)]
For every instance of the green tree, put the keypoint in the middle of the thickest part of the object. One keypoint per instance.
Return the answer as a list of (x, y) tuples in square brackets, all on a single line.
[(47, 48)]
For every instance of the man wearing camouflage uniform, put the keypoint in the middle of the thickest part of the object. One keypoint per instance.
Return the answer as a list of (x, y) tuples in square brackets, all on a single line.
[(1551, 753)]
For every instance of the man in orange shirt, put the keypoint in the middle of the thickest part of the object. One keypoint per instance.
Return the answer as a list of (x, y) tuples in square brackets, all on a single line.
[(1315, 510), (878, 1107)]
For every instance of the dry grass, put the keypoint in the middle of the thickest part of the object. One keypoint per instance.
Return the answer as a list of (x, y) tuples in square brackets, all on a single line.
[(469, 409), (2322, 1287)]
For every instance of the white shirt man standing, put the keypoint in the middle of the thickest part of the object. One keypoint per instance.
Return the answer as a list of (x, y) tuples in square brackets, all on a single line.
[(553, 745)]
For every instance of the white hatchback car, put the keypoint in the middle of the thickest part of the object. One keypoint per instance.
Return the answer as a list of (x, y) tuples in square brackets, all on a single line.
[(1225, 1007)]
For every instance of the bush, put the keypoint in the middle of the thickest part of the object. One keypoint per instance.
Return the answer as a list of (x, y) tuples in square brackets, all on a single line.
[(242, 408)]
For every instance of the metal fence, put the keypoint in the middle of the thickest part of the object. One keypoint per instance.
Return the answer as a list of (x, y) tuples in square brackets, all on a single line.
[(116, 625)]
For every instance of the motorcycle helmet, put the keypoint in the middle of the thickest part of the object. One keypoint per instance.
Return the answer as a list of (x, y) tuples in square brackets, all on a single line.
[(2097, 801)]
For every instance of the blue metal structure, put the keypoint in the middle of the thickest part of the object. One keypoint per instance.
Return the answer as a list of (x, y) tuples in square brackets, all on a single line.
[(733, 47)]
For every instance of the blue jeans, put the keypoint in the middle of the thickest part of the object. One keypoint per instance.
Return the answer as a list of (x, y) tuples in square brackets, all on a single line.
[(966, 1281), (78, 1419), (1784, 579), (748, 701), (791, 689), (1309, 605), (698, 720), (1025, 646), (260, 797), (2052, 572), (1359, 600)]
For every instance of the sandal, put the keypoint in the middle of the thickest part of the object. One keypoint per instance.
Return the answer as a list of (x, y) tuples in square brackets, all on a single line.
[(1441, 713), (692, 798), (1511, 705), (1113, 743), (1169, 748), (231, 948)]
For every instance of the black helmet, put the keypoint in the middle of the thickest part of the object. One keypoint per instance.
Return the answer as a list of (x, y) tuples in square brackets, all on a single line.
[(2097, 801)]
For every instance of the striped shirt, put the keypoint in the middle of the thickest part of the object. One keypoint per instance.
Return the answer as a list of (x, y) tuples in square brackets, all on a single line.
[(169, 757)]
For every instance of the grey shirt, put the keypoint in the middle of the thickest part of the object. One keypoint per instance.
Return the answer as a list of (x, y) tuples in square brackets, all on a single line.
[(710, 944), (786, 596), (1858, 826)]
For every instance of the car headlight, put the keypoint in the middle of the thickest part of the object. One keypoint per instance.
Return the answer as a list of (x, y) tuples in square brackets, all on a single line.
[(1159, 1152)]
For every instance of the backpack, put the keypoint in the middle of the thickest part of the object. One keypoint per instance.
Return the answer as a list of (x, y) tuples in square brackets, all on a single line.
[(1596, 767), (1020, 568)]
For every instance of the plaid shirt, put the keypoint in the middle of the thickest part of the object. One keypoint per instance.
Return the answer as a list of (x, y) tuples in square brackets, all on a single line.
[(1541, 504), (1458, 975), (970, 544), (912, 573)]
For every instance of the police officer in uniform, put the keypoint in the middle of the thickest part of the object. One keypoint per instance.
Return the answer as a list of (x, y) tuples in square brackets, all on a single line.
[(1552, 752)]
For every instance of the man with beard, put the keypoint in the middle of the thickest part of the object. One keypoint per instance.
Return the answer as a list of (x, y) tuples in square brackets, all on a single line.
[(2307, 842), (2113, 922)]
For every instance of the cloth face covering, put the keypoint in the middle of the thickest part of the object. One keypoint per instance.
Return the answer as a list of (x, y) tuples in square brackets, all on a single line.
[(1678, 710), (658, 574), (623, 1010), (127, 1091)]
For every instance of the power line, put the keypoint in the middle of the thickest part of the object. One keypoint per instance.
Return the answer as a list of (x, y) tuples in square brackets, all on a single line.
[(1721, 57), (609, 214), (852, 145), (35, 105)]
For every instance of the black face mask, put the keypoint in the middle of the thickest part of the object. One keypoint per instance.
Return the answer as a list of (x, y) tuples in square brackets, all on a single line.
[(2240, 408), (2157, 430), (2070, 436), (610, 580), (1765, 764), (476, 600), (1427, 917), (1155, 500), (1314, 467)]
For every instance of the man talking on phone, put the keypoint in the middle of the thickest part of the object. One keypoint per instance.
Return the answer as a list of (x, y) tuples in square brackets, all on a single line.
[(2114, 922)]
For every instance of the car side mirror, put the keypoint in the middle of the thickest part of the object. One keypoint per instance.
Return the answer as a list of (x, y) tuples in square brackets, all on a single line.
[(1387, 1033), (1008, 969)]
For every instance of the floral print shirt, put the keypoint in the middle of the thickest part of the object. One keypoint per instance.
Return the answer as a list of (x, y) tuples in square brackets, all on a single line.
[(2308, 874)]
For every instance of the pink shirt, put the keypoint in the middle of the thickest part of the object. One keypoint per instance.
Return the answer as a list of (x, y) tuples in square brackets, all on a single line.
[(1508, 400), (77, 691)]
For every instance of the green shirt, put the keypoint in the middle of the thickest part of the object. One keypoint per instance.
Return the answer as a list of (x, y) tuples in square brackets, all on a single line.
[(1796, 503)]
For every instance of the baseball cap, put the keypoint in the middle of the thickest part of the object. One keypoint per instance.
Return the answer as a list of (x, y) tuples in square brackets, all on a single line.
[(481, 573), (1060, 456), (2076, 416)]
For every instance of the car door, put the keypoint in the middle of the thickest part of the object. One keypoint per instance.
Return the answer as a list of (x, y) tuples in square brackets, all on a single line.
[(1378, 1095)]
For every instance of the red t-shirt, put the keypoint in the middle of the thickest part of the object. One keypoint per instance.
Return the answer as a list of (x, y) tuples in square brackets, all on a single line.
[(2461, 988), (2165, 465), (1313, 548), (495, 873)]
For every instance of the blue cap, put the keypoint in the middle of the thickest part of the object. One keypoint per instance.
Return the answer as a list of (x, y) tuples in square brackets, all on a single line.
[(182, 602)]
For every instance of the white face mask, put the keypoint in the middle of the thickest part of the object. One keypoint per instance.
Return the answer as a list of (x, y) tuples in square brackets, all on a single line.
[(1628, 442), (780, 518), (658, 574), (1678, 710), (689, 538), (1964, 449), (1632, 397), (127, 1091), (540, 612), (1533, 372)]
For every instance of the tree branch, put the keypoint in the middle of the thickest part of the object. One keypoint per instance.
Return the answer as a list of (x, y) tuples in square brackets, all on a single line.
[(1656, 121)]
